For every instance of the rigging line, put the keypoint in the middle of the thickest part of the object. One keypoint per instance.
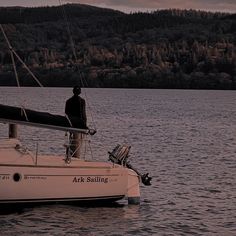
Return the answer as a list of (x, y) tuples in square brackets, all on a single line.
[(5, 36), (12, 55), (71, 41), (27, 68), (68, 29), (90, 108), (83, 81), (91, 114), (24, 112), (15, 71), (67, 117), (13, 52), (14, 65)]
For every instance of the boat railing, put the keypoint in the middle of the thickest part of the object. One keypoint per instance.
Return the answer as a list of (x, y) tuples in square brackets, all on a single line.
[(67, 147)]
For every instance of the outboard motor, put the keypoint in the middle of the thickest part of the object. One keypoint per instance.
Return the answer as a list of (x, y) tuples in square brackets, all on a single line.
[(120, 155)]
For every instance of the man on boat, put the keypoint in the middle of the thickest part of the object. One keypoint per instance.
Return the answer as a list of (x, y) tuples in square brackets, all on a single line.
[(76, 107)]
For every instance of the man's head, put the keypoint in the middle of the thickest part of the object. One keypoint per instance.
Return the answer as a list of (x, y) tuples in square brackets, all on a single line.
[(76, 90)]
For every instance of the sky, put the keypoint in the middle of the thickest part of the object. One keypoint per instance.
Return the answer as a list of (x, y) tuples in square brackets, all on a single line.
[(136, 5)]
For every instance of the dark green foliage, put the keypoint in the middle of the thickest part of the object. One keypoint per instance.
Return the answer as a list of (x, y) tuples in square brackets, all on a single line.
[(163, 49)]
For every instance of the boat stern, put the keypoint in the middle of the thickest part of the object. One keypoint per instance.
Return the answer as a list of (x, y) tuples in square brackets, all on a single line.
[(133, 190)]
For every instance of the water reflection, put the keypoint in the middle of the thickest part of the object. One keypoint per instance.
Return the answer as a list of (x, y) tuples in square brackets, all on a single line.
[(71, 219)]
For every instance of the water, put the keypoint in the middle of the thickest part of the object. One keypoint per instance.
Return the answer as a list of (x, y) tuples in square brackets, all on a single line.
[(185, 139)]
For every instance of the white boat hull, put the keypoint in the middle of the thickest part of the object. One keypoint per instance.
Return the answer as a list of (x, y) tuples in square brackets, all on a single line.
[(23, 179)]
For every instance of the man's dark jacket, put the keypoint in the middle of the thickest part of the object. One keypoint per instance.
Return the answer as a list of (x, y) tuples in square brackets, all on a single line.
[(75, 107)]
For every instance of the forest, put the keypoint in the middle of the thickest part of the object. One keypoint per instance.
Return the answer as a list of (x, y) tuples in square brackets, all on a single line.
[(97, 47)]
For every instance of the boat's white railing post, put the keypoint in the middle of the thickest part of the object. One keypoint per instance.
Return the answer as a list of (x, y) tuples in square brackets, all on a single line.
[(12, 131), (76, 145), (78, 139)]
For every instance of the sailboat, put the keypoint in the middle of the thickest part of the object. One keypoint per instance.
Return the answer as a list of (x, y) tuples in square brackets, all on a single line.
[(34, 178)]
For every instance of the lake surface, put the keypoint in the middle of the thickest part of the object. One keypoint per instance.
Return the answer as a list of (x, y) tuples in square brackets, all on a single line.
[(185, 139)]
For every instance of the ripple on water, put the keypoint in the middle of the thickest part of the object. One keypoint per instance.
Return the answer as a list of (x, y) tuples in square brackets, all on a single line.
[(184, 139)]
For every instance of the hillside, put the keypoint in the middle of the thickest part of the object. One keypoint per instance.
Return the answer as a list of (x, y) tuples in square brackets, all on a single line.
[(163, 49)]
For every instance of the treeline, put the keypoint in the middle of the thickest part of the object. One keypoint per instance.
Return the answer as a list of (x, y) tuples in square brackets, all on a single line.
[(162, 49), (16, 15)]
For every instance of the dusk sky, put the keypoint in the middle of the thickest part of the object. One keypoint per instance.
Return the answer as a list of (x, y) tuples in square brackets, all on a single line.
[(137, 5)]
